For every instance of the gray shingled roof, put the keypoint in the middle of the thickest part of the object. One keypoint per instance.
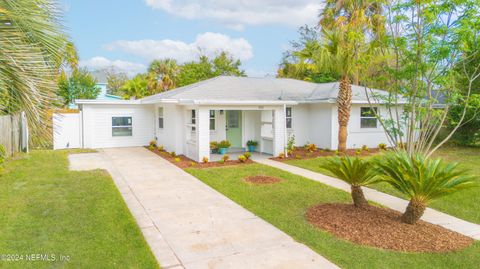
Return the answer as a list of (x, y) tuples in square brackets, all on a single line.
[(227, 88)]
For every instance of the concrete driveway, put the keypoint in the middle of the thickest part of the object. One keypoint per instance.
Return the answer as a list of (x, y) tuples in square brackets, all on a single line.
[(190, 225)]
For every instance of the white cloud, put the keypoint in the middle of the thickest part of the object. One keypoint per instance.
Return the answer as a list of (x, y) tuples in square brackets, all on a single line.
[(208, 44), (250, 12), (98, 62)]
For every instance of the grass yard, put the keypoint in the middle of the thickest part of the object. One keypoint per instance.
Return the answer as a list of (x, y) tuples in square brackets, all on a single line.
[(284, 205), (47, 209), (464, 204)]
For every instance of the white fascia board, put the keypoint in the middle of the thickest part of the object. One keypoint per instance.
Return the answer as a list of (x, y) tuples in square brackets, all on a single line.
[(107, 102), (160, 101), (232, 102)]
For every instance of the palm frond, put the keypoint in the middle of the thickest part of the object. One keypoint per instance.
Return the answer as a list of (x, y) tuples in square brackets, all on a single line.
[(353, 170)]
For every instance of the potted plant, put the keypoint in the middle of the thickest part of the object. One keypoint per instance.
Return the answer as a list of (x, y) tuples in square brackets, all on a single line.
[(251, 144), (214, 147), (223, 146)]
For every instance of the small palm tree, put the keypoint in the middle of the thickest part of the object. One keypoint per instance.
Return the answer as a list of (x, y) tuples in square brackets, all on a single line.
[(356, 172), (421, 179)]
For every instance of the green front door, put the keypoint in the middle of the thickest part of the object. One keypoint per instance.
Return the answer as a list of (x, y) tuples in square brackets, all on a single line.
[(234, 128)]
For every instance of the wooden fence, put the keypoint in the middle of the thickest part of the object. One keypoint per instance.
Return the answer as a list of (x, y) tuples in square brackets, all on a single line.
[(14, 133)]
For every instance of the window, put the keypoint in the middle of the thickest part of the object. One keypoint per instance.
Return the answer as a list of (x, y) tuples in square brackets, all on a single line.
[(160, 118), (193, 120), (368, 118), (288, 116), (212, 120), (121, 126)]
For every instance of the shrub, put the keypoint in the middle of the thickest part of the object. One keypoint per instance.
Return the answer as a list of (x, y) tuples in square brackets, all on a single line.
[(291, 143), (224, 144), (192, 164), (356, 172), (337, 152), (290, 152), (242, 158), (311, 147), (365, 148), (298, 156), (3, 153), (281, 155), (421, 179), (173, 154), (153, 143), (252, 143), (205, 159), (358, 151), (177, 160), (160, 147), (221, 161), (225, 157), (213, 145), (151, 147), (247, 155), (382, 146)]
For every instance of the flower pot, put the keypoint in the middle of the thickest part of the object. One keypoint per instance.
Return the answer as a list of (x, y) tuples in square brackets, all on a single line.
[(222, 150), (251, 148)]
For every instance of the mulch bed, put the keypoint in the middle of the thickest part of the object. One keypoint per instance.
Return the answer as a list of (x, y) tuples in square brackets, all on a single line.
[(186, 162), (303, 153), (382, 228), (262, 180)]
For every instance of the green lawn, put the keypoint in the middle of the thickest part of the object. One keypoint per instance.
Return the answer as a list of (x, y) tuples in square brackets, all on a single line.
[(284, 205), (464, 204), (47, 209)]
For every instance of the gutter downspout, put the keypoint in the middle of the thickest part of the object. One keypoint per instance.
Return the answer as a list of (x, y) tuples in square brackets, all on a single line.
[(285, 151)]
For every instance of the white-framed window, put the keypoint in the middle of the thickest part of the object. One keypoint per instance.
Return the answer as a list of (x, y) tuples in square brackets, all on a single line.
[(160, 118), (368, 118), (288, 117), (193, 120), (212, 120), (121, 126)]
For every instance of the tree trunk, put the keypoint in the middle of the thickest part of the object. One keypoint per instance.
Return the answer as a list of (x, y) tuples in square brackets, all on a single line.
[(344, 102), (413, 212), (358, 197)]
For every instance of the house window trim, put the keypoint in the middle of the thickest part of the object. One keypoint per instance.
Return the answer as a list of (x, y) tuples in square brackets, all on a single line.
[(289, 117), (122, 126), (369, 117), (214, 118), (161, 117)]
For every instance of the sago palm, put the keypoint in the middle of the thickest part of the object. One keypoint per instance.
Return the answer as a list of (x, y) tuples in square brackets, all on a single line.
[(354, 171), (348, 28), (32, 46), (421, 179)]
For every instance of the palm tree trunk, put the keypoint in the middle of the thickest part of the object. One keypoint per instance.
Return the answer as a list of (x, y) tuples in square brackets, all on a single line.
[(344, 102), (358, 197), (413, 212)]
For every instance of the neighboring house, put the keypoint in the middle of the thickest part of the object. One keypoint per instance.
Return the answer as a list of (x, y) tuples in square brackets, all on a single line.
[(268, 110), (101, 78)]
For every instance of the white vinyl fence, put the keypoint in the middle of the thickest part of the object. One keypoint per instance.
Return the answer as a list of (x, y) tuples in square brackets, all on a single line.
[(66, 130), (14, 133)]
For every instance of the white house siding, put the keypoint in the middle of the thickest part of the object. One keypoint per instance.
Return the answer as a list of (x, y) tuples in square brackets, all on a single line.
[(219, 133), (172, 136), (357, 137), (66, 130), (97, 124), (279, 128), (318, 125), (252, 127)]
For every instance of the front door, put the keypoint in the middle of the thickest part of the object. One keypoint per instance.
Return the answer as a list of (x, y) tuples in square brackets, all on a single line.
[(234, 128)]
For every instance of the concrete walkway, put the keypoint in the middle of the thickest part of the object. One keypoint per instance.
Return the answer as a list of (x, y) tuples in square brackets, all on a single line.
[(188, 224), (431, 215)]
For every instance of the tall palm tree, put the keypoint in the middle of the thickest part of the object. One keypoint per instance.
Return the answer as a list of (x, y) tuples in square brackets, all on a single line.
[(347, 27), (354, 171), (32, 42), (163, 75), (421, 179)]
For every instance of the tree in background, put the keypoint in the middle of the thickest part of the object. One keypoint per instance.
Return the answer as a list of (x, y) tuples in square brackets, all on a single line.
[(349, 29), (80, 85), (300, 62), (33, 46), (135, 88), (162, 75), (115, 81)]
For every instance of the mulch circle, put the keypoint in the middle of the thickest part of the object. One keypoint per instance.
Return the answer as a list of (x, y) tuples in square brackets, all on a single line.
[(382, 228), (261, 180)]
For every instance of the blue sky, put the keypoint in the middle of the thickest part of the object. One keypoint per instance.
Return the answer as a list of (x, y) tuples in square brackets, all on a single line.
[(128, 34)]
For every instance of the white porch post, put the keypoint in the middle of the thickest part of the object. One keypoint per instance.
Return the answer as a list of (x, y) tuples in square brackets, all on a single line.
[(203, 133), (278, 131)]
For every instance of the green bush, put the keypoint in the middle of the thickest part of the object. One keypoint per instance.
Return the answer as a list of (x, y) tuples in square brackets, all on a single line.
[(252, 143), (224, 144), (247, 155), (3, 153)]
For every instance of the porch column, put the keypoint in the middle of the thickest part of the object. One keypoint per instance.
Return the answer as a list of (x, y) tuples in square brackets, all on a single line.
[(203, 133), (278, 131)]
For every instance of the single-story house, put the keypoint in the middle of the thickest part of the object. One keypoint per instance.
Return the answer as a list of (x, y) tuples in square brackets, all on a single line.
[(238, 109)]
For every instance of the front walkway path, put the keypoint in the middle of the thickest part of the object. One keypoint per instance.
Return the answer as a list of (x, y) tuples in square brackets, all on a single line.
[(188, 224), (431, 215)]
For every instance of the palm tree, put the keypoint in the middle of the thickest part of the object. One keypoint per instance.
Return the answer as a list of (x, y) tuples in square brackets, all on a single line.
[(421, 179), (346, 27), (163, 75), (136, 87), (32, 45), (354, 171)]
